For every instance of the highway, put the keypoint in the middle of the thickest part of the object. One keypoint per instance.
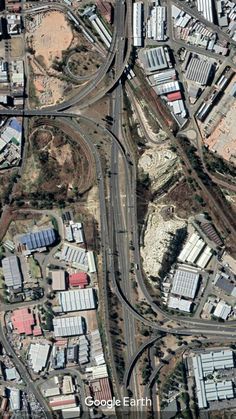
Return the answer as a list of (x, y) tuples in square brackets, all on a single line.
[(119, 228)]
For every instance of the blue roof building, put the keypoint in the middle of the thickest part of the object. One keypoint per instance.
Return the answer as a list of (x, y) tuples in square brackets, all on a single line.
[(43, 238), (15, 124)]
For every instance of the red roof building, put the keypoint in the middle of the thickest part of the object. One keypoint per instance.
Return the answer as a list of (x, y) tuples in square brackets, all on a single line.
[(37, 331), (79, 279), (100, 389), (23, 321), (174, 96)]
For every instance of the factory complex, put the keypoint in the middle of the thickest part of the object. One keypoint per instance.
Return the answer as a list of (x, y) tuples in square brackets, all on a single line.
[(191, 286), (60, 329), (213, 374)]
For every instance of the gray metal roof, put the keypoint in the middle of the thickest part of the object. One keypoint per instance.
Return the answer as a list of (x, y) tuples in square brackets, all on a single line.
[(185, 283), (82, 299), (68, 326), (11, 272)]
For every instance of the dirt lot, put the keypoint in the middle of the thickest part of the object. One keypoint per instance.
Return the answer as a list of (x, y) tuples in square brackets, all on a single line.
[(17, 47), (57, 167), (21, 226), (90, 317), (46, 42)]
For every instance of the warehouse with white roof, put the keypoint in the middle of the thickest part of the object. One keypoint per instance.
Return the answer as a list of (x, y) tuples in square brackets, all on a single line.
[(154, 59), (179, 304), (77, 300), (11, 272), (206, 8), (208, 389), (68, 326), (157, 23), (77, 257), (222, 310), (138, 24), (196, 252), (185, 283), (38, 356), (199, 70)]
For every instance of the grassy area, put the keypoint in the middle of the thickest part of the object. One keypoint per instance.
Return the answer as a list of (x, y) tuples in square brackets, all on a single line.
[(54, 223), (34, 268), (216, 164)]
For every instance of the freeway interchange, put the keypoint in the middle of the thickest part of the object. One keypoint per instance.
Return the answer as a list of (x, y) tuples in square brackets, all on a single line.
[(118, 212)]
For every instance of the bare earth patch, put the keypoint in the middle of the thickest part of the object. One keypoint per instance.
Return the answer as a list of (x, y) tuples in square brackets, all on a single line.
[(46, 42)]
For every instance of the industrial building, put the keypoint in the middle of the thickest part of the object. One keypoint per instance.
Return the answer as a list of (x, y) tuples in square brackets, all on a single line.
[(38, 240), (15, 399), (154, 59), (138, 24), (97, 372), (205, 7), (166, 88), (83, 353), (63, 402), (172, 97), (72, 353), (77, 300), (58, 280), (75, 256), (101, 29), (14, 24), (196, 33), (223, 282), (10, 143), (96, 349), (222, 310), (23, 321), (74, 232), (185, 282), (100, 389), (177, 106), (11, 272), (156, 25), (199, 69), (67, 385), (17, 74), (163, 77), (179, 304), (68, 326), (208, 389), (58, 358), (78, 279), (38, 356), (91, 262), (196, 251), (210, 231), (205, 258)]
